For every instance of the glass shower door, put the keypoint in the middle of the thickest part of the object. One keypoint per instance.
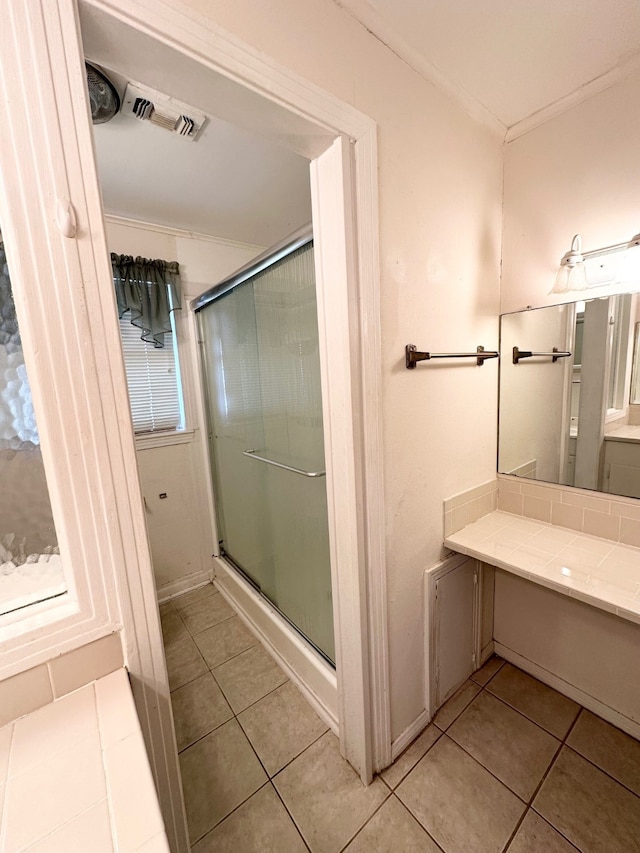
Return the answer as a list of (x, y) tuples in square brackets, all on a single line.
[(260, 350)]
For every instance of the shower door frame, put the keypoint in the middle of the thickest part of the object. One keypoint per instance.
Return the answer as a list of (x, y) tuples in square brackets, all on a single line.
[(342, 146)]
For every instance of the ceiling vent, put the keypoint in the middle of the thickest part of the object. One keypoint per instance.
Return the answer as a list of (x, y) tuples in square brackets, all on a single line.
[(146, 104)]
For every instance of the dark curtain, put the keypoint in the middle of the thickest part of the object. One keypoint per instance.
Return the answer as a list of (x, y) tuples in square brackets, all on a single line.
[(150, 290)]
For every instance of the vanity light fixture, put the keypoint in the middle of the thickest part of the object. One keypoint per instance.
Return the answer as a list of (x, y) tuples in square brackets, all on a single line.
[(572, 275)]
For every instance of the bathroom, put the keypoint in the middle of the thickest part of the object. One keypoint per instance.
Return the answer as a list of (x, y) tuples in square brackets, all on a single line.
[(444, 179)]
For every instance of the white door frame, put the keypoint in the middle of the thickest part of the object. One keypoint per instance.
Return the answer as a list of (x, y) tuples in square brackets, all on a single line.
[(345, 210)]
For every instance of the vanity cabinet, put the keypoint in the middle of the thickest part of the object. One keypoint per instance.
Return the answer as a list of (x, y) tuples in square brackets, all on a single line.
[(621, 465)]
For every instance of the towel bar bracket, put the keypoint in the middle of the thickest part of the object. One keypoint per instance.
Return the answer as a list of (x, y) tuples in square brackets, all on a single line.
[(555, 354), (413, 356)]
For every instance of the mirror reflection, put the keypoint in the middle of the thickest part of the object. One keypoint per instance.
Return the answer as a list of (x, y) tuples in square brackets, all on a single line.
[(570, 394)]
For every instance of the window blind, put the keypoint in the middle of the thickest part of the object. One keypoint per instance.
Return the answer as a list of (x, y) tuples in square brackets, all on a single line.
[(152, 378)]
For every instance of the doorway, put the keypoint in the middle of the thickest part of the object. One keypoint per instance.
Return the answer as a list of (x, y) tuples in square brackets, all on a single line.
[(341, 145)]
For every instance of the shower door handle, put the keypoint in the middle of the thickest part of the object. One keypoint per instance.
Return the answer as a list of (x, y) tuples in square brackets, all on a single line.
[(252, 454)]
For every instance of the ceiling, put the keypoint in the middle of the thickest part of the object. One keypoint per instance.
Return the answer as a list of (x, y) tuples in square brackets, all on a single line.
[(228, 183), (511, 63), (512, 59)]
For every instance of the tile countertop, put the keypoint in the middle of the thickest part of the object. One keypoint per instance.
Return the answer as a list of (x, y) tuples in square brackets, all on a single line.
[(74, 776), (627, 433), (597, 571)]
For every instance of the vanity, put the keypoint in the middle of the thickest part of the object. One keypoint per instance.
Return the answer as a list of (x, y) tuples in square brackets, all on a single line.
[(621, 463), (559, 558)]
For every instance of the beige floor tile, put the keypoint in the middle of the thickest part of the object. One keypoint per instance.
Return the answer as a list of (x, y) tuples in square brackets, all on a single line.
[(326, 798), (534, 835), (589, 808), (513, 748), (261, 825), (165, 608), (487, 670), (460, 804), (454, 706), (248, 677), (535, 700), (198, 708), (407, 761), (188, 598), (280, 726), (392, 829), (207, 612), (224, 641), (609, 748), (173, 628), (184, 663), (218, 773)]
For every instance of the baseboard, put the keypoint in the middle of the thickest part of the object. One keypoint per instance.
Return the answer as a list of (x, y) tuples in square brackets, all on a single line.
[(631, 727), (412, 731), (181, 585), (486, 653), (312, 675)]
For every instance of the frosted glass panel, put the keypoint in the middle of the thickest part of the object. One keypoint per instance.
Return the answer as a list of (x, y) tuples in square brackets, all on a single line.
[(262, 363), (30, 568)]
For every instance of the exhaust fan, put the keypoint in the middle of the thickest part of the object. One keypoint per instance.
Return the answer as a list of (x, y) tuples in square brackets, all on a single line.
[(146, 104), (103, 97)]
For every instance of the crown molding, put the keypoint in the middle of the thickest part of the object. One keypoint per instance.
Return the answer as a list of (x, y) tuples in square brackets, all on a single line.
[(362, 12), (114, 219), (582, 93)]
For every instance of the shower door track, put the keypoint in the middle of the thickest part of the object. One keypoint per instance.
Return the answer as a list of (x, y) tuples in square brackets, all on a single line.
[(256, 587)]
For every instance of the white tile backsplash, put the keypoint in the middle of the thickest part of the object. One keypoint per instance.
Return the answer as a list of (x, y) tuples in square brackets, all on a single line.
[(469, 506), (606, 516)]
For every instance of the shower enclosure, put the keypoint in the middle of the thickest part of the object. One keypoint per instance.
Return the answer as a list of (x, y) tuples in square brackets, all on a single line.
[(259, 337)]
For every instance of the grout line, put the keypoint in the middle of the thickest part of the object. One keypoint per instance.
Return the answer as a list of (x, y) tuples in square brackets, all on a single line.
[(211, 668), (255, 702), (291, 818), (308, 746), (413, 766), (220, 822), (529, 719), (490, 772), (175, 600), (534, 795), (194, 634), (601, 769), (211, 731), (370, 818)]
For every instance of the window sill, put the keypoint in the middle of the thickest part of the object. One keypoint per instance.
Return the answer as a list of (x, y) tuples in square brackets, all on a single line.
[(36, 616), (164, 439)]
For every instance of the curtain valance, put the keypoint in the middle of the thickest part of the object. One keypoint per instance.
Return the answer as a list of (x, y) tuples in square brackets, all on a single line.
[(150, 290)]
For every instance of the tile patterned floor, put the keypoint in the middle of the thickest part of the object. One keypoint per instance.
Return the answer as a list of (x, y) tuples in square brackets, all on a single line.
[(507, 764)]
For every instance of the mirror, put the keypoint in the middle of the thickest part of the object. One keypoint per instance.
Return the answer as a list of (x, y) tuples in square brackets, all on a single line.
[(569, 394)]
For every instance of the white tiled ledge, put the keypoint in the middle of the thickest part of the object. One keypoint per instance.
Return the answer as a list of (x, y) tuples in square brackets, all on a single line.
[(74, 776), (597, 571)]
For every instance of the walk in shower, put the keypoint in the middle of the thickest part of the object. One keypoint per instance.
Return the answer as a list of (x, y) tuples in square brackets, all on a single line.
[(259, 334)]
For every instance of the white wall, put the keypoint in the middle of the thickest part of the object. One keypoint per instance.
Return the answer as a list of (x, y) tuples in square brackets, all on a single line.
[(440, 221), (589, 650), (179, 525), (578, 173)]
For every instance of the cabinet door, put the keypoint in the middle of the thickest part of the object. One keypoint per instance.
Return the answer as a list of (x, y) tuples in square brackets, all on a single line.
[(455, 626), (622, 468)]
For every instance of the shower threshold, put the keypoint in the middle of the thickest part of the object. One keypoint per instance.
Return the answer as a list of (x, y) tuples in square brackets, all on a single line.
[(257, 589)]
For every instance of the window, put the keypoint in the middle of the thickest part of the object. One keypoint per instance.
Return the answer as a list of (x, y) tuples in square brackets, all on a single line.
[(153, 377)]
